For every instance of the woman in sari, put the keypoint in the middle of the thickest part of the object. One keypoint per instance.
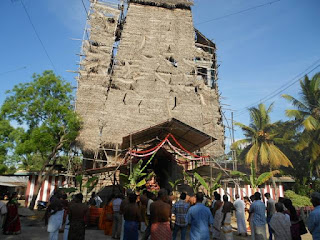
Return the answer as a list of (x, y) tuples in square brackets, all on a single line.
[(105, 220), (247, 208), (217, 217), (12, 223), (294, 218), (226, 229)]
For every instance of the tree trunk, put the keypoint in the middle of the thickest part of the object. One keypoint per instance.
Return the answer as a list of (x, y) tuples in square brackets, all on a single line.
[(274, 187), (37, 189), (43, 175)]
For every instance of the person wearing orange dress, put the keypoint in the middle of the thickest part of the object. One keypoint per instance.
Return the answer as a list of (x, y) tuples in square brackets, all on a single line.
[(105, 220)]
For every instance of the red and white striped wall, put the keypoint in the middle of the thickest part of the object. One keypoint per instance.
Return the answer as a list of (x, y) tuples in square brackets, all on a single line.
[(46, 190), (246, 190)]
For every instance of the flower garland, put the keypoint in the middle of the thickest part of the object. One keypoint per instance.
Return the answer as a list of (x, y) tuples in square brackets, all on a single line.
[(191, 157)]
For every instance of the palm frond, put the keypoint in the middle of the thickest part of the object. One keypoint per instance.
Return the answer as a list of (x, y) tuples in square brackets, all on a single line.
[(305, 140), (252, 153), (244, 152), (295, 102), (245, 128), (270, 108), (293, 113), (315, 151), (264, 154), (240, 143), (310, 123), (264, 177), (278, 158)]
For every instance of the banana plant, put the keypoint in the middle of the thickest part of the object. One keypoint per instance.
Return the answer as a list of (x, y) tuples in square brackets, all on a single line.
[(215, 184), (253, 180), (90, 184), (133, 180), (196, 184), (174, 184), (193, 184)]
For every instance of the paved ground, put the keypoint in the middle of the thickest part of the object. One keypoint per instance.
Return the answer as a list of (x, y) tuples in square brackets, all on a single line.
[(34, 229)]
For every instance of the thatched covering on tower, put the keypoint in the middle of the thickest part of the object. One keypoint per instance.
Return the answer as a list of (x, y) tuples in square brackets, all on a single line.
[(159, 72), (166, 3)]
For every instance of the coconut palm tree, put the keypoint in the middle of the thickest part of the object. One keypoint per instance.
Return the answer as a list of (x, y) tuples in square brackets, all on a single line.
[(307, 112), (260, 140)]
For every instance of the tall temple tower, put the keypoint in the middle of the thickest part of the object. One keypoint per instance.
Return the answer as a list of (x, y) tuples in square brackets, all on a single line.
[(145, 63)]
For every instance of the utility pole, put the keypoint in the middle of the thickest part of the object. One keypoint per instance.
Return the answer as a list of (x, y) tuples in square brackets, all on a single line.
[(234, 153)]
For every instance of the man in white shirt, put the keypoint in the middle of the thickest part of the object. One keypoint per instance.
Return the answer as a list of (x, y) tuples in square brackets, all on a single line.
[(240, 214), (97, 199), (117, 218), (271, 209)]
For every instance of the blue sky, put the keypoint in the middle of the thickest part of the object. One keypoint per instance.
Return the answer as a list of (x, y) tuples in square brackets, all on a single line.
[(258, 50)]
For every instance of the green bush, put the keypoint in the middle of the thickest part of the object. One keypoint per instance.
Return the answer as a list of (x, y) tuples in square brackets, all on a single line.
[(297, 200)]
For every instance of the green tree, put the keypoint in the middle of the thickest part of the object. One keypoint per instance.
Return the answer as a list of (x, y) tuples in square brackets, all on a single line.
[(44, 108), (288, 130), (260, 140), (6, 143), (307, 113)]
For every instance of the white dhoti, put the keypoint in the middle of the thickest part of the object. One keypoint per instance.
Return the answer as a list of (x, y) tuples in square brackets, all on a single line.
[(241, 222), (226, 229)]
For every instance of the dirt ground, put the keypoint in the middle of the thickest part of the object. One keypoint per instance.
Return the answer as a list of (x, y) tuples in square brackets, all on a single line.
[(33, 229)]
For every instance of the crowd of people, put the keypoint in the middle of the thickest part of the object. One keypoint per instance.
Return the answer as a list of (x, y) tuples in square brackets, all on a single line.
[(160, 217), (150, 217)]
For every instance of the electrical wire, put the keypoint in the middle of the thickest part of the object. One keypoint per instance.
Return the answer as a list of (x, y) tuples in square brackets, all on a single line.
[(34, 29), (14, 70), (235, 13), (281, 89)]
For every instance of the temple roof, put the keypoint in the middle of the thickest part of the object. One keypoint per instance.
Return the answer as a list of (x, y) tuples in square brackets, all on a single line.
[(190, 138)]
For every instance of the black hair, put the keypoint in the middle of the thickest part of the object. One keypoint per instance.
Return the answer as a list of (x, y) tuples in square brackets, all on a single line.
[(14, 194), (64, 196), (183, 196), (293, 213), (79, 196), (279, 207), (92, 202), (257, 196), (217, 197), (199, 196), (132, 197), (267, 195), (225, 198)]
